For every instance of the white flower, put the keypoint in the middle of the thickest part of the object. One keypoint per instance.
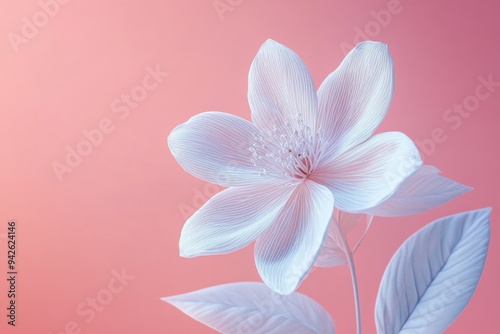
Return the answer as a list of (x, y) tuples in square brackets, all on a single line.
[(305, 153)]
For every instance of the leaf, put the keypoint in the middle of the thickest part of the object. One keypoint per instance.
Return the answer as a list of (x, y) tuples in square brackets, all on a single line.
[(425, 189), (433, 275), (252, 307)]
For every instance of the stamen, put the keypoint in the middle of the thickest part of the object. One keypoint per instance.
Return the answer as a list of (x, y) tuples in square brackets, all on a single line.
[(291, 151)]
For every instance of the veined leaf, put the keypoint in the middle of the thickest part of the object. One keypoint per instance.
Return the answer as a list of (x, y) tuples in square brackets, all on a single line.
[(253, 308), (433, 275)]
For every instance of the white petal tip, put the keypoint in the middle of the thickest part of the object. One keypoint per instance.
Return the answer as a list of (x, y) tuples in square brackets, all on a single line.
[(186, 252), (372, 44), (171, 300), (374, 49), (171, 137), (270, 41), (486, 211), (283, 289), (186, 255), (270, 45), (172, 140)]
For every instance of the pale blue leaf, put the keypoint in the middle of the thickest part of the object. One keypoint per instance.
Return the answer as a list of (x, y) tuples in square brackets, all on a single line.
[(425, 189), (252, 307), (433, 275)]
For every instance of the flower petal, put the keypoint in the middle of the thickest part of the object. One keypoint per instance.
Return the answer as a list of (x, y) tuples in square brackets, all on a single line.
[(354, 99), (425, 189), (232, 219), (332, 254), (280, 89), (367, 174), (214, 147), (285, 253), (348, 221)]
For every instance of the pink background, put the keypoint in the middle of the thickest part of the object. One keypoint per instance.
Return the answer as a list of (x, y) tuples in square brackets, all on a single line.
[(121, 207)]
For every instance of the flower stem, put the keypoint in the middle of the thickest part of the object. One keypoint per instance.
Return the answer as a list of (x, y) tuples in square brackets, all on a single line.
[(350, 262)]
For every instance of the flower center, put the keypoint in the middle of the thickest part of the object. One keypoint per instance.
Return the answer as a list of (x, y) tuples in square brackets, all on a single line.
[(288, 151)]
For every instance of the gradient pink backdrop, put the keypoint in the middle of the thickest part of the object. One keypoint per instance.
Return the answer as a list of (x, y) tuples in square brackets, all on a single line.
[(120, 208)]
